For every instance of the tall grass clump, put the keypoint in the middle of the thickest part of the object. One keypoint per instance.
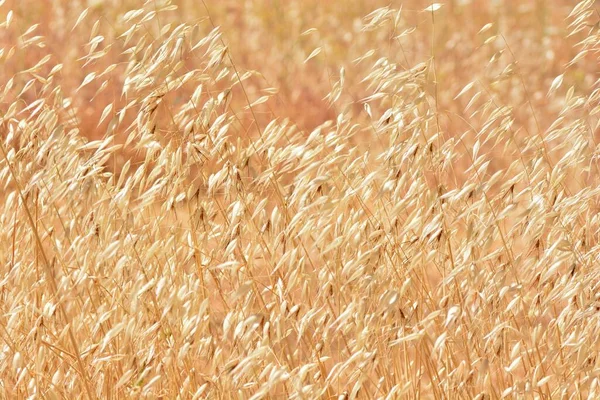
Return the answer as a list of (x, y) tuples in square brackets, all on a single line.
[(261, 200)]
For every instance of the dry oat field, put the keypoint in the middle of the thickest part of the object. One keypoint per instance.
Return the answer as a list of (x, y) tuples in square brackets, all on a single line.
[(299, 199)]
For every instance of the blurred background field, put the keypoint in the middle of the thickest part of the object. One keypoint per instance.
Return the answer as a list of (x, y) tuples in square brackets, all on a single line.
[(270, 38)]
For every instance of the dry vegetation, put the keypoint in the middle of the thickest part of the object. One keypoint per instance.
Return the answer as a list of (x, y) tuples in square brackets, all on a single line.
[(299, 199)]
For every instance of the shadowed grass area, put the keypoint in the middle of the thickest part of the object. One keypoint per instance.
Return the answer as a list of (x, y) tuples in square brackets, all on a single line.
[(299, 199)]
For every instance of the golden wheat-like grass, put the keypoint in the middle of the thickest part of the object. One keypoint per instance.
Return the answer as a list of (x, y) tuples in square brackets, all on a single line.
[(299, 200)]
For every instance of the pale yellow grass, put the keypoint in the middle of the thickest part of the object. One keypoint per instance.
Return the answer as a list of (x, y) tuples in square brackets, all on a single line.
[(299, 200)]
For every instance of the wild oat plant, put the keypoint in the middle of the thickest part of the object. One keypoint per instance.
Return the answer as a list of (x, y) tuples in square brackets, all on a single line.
[(299, 200)]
